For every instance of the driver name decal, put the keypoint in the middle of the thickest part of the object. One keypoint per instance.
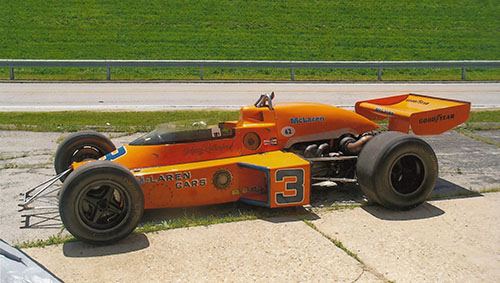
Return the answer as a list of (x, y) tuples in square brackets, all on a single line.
[(208, 148)]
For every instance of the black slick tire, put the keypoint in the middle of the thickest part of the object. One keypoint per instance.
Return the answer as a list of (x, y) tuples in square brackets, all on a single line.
[(81, 146), (101, 202), (397, 170)]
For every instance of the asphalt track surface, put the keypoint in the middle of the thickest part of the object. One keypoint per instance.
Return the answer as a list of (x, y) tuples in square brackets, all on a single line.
[(168, 96)]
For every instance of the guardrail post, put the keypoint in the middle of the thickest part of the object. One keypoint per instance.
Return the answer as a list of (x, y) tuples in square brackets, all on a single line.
[(463, 74), (292, 74), (108, 76), (11, 73), (201, 73), (379, 74)]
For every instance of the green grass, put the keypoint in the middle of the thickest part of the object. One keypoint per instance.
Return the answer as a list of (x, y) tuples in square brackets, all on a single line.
[(250, 30), (336, 243), (130, 122), (484, 116), (192, 217), (66, 121), (482, 121), (477, 137), (122, 74)]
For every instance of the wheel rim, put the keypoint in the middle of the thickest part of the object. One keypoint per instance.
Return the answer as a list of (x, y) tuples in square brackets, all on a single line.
[(407, 174), (85, 153), (103, 205)]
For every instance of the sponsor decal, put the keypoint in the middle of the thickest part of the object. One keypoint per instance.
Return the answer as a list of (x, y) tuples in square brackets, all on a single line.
[(272, 141), (181, 180), (437, 118), (303, 120), (246, 190), (385, 111), (116, 154), (256, 189), (288, 131), (208, 148), (418, 101)]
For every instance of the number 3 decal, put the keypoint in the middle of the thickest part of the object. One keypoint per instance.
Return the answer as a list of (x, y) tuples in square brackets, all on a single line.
[(297, 186)]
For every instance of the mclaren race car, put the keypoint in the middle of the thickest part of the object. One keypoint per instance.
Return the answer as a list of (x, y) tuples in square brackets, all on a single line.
[(270, 157)]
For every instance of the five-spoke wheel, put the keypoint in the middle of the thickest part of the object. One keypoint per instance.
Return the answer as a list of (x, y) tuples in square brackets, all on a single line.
[(101, 202)]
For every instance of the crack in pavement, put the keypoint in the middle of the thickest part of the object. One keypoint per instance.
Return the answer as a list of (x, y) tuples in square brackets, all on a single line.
[(339, 245)]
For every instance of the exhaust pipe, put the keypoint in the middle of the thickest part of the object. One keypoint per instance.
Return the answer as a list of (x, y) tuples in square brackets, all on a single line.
[(349, 145)]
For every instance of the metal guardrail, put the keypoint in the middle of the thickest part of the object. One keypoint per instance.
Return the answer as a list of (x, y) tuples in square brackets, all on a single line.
[(292, 65)]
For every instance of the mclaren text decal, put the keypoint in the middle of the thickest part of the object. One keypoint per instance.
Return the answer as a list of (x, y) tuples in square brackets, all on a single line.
[(385, 111), (181, 180), (303, 120)]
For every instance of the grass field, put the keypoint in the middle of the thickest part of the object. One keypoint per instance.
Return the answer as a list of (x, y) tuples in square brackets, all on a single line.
[(130, 122), (105, 121), (252, 30)]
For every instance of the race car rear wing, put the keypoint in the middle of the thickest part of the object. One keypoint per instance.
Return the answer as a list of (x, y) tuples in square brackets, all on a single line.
[(426, 115)]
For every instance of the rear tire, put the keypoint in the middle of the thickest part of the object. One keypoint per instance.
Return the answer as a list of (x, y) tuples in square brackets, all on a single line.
[(80, 146), (397, 170), (101, 202)]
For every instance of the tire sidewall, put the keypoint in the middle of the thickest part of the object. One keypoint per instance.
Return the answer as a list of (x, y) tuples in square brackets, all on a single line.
[(386, 193), (63, 158), (378, 157), (73, 190)]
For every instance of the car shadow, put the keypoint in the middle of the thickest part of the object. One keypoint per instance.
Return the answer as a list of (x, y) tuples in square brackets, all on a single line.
[(325, 196), (444, 190), (351, 194), (132, 243), (423, 211), (447, 190), (329, 195), (335, 196), (41, 219), (220, 213)]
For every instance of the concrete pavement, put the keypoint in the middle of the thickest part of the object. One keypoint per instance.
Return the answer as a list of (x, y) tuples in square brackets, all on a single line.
[(454, 239)]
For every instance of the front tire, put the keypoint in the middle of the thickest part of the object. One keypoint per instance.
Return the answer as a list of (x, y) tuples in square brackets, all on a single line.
[(397, 170), (80, 146), (101, 202)]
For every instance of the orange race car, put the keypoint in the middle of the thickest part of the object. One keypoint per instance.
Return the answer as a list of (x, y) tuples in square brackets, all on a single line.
[(270, 157)]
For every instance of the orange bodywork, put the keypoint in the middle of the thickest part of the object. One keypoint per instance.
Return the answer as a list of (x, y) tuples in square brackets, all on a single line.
[(426, 115), (272, 179), (251, 163)]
